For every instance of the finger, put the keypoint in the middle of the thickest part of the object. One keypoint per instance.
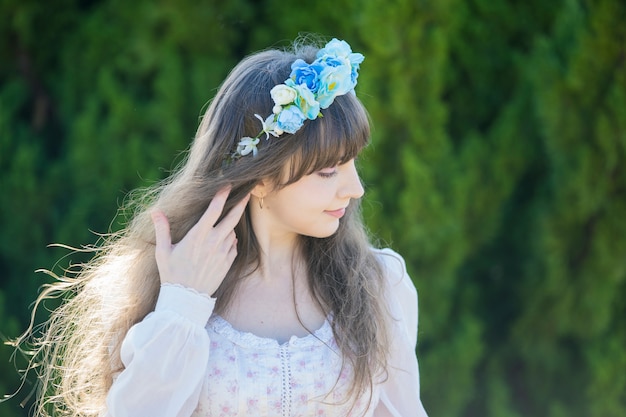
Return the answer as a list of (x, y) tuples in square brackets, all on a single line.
[(229, 221), (232, 252), (162, 233), (228, 242), (214, 211), (232, 238)]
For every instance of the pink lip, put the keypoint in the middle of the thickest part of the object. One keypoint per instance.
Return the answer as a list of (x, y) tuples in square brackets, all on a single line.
[(337, 213)]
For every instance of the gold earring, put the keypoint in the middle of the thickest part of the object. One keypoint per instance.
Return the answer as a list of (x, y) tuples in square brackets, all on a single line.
[(261, 203)]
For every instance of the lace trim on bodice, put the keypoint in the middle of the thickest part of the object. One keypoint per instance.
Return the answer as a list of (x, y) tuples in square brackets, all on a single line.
[(323, 335)]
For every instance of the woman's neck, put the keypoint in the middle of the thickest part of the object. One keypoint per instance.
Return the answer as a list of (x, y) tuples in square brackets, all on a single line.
[(278, 251), (275, 300)]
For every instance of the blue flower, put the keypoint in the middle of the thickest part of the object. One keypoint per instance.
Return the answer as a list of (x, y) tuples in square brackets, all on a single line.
[(303, 73), (340, 49), (334, 81), (354, 74), (305, 100), (335, 48), (330, 61), (290, 119)]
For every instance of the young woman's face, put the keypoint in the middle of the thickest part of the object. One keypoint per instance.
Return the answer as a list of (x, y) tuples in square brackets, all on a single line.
[(313, 205)]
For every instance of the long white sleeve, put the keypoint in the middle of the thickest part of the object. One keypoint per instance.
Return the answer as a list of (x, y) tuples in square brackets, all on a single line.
[(165, 358), (400, 396)]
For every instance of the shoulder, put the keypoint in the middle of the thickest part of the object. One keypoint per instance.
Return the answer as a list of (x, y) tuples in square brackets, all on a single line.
[(394, 268), (400, 294)]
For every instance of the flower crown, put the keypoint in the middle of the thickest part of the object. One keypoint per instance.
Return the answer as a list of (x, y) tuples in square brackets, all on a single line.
[(309, 88)]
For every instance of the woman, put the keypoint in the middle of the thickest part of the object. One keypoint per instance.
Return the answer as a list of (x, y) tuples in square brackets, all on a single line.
[(245, 283)]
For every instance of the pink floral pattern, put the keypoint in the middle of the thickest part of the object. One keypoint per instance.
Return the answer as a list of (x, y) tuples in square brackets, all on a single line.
[(252, 376)]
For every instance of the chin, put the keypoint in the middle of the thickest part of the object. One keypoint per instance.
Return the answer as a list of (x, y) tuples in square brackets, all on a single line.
[(321, 234)]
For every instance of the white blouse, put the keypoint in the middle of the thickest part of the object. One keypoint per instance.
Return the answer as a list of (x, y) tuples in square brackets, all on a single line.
[(183, 360)]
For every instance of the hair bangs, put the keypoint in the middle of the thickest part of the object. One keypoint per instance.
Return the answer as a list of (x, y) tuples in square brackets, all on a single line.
[(333, 139)]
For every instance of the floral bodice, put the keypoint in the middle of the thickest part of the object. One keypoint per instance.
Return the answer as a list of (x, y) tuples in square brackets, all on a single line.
[(182, 360), (254, 376)]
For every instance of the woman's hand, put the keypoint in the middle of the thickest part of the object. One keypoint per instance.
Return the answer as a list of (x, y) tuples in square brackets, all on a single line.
[(204, 256)]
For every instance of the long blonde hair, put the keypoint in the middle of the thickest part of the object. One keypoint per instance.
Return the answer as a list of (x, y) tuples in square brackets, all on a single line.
[(79, 349)]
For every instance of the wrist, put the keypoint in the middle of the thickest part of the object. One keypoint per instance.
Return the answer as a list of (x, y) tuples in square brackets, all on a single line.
[(186, 302)]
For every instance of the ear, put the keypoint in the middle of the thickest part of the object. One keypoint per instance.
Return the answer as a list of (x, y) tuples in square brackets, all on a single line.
[(261, 189)]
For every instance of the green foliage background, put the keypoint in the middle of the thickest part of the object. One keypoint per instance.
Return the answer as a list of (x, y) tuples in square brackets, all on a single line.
[(497, 166)]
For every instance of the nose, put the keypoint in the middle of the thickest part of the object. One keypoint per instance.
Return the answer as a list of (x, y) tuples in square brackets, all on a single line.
[(351, 186)]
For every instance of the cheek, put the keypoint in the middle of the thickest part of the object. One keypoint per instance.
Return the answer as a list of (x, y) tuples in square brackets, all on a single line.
[(300, 208), (309, 194), (315, 200)]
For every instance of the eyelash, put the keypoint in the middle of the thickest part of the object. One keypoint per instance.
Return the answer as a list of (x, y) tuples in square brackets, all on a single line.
[(327, 174), (334, 172)]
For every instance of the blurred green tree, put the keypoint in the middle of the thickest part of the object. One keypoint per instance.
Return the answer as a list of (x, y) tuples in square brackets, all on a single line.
[(496, 169)]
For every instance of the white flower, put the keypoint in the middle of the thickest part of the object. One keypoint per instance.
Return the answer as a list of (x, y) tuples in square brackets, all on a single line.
[(247, 145), (268, 126), (282, 94), (277, 109)]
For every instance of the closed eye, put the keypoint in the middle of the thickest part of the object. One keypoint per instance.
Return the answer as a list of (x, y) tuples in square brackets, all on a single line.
[(327, 174)]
